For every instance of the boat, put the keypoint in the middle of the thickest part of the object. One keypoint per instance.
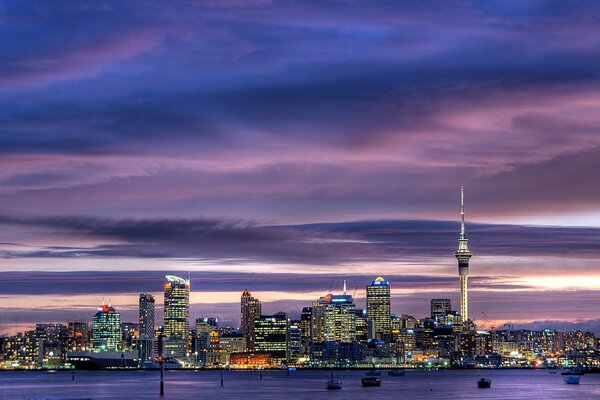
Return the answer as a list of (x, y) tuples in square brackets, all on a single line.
[(90, 360), (484, 383), (396, 372), (334, 383), (371, 378), (572, 379)]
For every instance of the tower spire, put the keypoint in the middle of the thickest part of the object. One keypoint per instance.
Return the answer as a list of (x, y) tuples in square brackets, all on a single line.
[(462, 212), (463, 255)]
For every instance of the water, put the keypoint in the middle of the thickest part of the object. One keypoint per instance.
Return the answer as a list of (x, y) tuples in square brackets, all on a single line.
[(460, 384)]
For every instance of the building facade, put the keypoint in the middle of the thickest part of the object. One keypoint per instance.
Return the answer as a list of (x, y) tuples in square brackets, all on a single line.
[(379, 308), (106, 329), (176, 317), (250, 312)]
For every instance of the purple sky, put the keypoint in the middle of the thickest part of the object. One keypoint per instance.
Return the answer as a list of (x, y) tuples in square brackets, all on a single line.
[(285, 146)]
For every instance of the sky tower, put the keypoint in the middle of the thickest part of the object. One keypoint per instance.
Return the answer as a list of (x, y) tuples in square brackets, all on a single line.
[(463, 255)]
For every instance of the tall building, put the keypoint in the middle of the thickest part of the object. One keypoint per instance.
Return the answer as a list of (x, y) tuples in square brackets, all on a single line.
[(146, 316), (334, 319), (250, 312), (463, 255), (176, 316), (106, 329), (146, 336), (440, 307), (379, 308), (272, 335)]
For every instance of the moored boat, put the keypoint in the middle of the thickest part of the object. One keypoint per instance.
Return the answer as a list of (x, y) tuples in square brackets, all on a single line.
[(370, 380), (484, 383), (396, 372), (572, 379), (334, 383)]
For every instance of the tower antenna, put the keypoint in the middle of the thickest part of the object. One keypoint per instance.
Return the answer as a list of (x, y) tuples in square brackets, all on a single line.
[(463, 255)]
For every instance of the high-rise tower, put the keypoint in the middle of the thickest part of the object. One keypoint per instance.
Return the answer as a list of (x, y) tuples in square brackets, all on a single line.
[(379, 309), (250, 312), (176, 316), (463, 255), (146, 311)]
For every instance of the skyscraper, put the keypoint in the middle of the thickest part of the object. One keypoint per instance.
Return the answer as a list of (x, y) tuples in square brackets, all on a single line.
[(463, 255), (146, 316), (106, 330), (176, 316), (334, 319), (379, 308), (250, 312)]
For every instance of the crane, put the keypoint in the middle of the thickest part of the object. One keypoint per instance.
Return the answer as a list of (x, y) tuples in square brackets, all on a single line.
[(492, 327)]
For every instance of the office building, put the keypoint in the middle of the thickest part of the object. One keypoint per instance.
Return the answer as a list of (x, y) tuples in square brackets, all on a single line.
[(272, 335), (379, 308), (106, 329), (176, 317)]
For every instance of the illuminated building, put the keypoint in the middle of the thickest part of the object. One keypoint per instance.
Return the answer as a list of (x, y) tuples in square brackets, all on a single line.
[(250, 360), (334, 319), (106, 329), (295, 346), (78, 336), (440, 307), (306, 327), (50, 339), (146, 316), (379, 308), (250, 312), (362, 325), (231, 343), (272, 335), (206, 343), (176, 313), (146, 335), (463, 255)]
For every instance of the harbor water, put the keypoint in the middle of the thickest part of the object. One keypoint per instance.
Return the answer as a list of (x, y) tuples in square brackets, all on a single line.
[(248, 385)]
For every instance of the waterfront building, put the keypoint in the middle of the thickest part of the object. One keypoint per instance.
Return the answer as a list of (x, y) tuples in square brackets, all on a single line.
[(463, 255), (78, 336), (379, 308), (250, 312), (295, 347), (106, 329), (146, 336), (231, 343), (206, 341), (272, 335), (176, 317), (50, 342)]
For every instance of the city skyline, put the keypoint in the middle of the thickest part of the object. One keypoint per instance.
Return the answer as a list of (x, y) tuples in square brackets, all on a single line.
[(285, 148)]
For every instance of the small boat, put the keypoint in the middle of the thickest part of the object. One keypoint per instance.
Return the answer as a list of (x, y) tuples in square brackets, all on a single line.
[(572, 379), (373, 372), (484, 383), (371, 381), (334, 383), (396, 372)]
